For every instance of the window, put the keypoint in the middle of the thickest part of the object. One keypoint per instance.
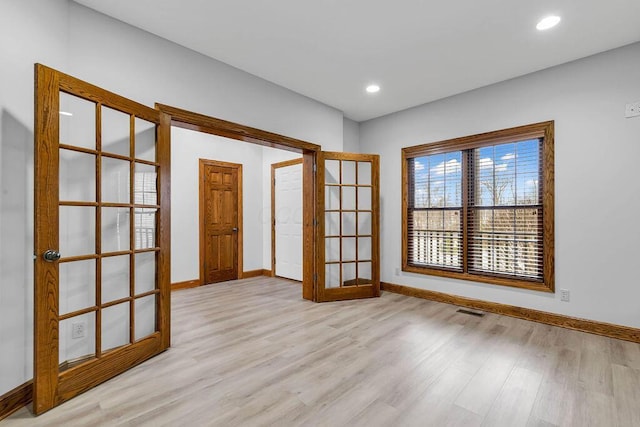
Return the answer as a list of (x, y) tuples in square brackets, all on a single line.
[(481, 208)]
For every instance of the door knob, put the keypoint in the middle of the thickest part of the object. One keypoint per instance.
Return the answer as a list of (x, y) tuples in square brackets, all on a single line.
[(51, 255), (234, 229)]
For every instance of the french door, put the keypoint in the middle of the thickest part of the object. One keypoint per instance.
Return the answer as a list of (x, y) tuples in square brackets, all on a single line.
[(101, 236), (348, 243)]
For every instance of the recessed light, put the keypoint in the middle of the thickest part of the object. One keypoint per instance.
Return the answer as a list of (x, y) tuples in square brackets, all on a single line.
[(373, 88), (548, 22)]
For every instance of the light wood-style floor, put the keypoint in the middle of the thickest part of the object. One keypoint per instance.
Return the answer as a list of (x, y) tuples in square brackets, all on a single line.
[(252, 352)]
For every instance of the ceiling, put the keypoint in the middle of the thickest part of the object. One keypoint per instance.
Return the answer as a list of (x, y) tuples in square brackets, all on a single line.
[(416, 50)]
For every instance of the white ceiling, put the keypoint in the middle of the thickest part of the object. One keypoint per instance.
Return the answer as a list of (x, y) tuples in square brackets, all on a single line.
[(416, 50)]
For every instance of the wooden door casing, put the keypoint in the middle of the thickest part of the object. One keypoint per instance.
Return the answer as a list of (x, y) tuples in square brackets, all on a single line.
[(221, 221), (51, 387)]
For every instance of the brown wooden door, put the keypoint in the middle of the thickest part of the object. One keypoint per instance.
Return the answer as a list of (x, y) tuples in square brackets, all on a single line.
[(348, 237), (220, 217), (102, 231)]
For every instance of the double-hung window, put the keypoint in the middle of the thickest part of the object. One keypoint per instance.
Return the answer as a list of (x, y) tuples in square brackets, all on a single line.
[(481, 208)]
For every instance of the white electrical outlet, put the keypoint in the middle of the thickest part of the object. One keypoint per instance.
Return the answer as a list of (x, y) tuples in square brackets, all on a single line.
[(397, 271), (565, 295), (632, 110), (78, 330)]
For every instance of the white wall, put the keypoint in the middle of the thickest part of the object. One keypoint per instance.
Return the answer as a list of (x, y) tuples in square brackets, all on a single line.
[(187, 148), (30, 31), (125, 60), (597, 190), (148, 69), (350, 136)]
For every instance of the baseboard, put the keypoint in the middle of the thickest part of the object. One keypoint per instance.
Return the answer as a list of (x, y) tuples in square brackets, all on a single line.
[(185, 285), (16, 399), (195, 283), (256, 273), (583, 325)]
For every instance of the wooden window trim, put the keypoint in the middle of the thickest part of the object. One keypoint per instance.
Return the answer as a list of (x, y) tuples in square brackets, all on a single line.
[(544, 130)]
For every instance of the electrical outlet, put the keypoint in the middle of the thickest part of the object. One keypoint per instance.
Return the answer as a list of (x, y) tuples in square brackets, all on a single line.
[(397, 271), (78, 330), (565, 295), (632, 110)]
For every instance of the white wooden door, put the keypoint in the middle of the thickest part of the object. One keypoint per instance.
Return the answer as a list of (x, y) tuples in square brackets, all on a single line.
[(288, 221)]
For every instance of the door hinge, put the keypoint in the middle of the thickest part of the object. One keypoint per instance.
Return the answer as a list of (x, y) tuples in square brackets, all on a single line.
[(315, 277), (315, 167)]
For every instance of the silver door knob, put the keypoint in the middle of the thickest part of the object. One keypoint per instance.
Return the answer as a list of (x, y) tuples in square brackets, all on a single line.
[(234, 229), (51, 255)]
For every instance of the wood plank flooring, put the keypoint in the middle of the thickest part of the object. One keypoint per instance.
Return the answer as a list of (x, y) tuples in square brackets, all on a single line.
[(252, 353)]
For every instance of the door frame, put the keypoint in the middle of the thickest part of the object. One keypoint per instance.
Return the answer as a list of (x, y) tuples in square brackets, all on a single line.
[(202, 123), (239, 235), (275, 166)]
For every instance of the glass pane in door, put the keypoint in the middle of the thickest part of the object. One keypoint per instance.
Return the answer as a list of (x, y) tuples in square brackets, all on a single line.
[(145, 316), (145, 228), (77, 340), (77, 176), (145, 140), (77, 288), (145, 272), (144, 185), (115, 132), (364, 173), (349, 274), (115, 326), (332, 249), (348, 172), (332, 276), (115, 278), (115, 180), (77, 121), (364, 273), (348, 198), (77, 230), (115, 229)]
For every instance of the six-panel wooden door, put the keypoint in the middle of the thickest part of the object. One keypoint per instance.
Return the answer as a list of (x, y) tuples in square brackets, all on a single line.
[(220, 219)]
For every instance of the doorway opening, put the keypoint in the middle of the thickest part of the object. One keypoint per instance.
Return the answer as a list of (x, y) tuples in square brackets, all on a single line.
[(201, 123)]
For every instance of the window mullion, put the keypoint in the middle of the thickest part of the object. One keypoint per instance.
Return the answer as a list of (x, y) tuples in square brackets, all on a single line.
[(466, 164)]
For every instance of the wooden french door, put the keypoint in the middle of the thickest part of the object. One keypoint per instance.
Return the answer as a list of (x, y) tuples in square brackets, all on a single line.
[(102, 230), (348, 243), (220, 219)]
